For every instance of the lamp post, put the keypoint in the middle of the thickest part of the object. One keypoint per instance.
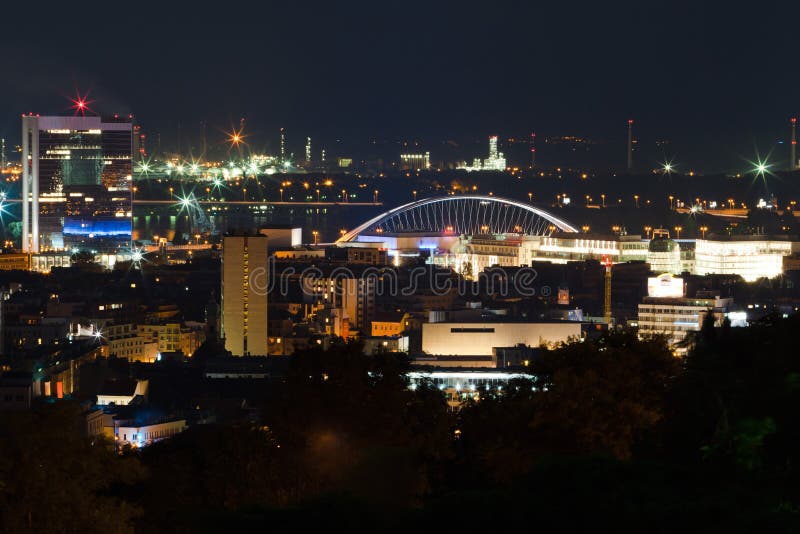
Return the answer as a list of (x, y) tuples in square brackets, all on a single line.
[(281, 192), (315, 234), (530, 198), (678, 231)]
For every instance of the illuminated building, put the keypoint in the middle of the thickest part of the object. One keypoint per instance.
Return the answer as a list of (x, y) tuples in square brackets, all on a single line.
[(76, 183), (664, 256), (460, 385), (751, 257), (495, 162), (244, 294), (141, 435), (283, 235), (308, 150), (480, 338), (666, 311), (567, 246), (415, 162)]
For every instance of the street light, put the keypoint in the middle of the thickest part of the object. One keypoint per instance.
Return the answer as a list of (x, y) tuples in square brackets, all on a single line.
[(670, 201), (636, 200), (244, 194), (281, 190), (530, 198), (315, 234), (603, 199), (375, 197), (317, 195), (703, 230), (678, 231), (647, 230)]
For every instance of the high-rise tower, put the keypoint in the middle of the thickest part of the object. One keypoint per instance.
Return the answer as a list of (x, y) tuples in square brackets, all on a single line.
[(793, 145), (533, 150), (80, 169), (308, 150), (493, 147), (244, 294), (283, 145)]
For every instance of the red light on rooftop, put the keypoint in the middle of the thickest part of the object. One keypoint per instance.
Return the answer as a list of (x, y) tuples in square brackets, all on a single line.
[(793, 120), (630, 121)]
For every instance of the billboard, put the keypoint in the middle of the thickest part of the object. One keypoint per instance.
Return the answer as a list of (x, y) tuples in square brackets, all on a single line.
[(665, 286)]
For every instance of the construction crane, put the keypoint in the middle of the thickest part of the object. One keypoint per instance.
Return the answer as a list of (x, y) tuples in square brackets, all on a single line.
[(607, 294)]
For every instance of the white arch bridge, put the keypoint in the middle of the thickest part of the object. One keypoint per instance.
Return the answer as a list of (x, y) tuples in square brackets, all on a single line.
[(463, 214)]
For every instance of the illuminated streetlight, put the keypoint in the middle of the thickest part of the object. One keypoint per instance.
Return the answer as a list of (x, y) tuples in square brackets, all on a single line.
[(316, 235), (636, 200), (415, 194), (678, 231), (375, 196), (603, 199), (530, 198), (281, 191), (244, 194), (703, 230)]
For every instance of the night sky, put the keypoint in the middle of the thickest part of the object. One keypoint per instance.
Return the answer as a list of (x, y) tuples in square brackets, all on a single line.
[(717, 80)]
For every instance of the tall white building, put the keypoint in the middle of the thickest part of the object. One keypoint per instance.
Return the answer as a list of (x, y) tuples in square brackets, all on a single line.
[(244, 294)]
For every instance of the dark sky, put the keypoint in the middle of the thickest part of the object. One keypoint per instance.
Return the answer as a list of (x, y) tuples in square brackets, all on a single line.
[(715, 79)]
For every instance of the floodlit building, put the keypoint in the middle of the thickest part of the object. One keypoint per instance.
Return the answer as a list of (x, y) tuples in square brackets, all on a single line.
[(480, 338), (666, 311), (76, 183), (495, 162), (751, 257), (415, 162), (563, 247), (283, 235), (664, 256), (244, 294)]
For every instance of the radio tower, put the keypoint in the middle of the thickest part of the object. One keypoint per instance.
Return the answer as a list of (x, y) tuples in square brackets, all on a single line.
[(533, 150), (630, 145), (793, 145)]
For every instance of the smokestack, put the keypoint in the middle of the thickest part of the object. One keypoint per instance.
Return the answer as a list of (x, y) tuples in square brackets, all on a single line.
[(793, 145), (630, 145), (203, 145)]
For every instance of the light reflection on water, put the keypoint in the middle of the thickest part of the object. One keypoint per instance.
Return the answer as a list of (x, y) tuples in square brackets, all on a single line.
[(181, 227)]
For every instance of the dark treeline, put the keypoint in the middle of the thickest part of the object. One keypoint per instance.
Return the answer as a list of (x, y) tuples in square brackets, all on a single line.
[(614, 433)]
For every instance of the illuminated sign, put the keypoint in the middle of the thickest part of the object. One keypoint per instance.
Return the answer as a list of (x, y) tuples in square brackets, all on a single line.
[(665, 286)]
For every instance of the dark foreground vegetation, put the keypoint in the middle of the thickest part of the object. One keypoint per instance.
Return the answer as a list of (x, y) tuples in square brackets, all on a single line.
[(614, 434)]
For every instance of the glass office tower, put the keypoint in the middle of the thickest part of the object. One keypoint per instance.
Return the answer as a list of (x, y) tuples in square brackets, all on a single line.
[(76, 184)]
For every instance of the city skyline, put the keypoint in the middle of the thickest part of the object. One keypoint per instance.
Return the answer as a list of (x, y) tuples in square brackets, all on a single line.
[(376, 72)]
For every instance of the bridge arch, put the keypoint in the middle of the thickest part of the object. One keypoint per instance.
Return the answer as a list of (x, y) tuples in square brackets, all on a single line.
[(463, 214)]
